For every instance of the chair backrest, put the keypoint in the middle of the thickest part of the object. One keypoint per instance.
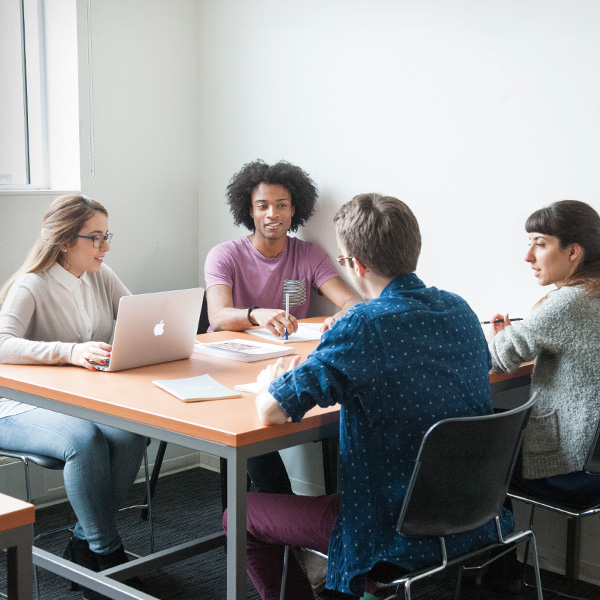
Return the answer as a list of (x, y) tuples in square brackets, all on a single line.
[(592, 463), (203, 323), (462, 473)]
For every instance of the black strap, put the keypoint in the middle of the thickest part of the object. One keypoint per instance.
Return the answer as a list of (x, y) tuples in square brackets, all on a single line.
[(249, 311)]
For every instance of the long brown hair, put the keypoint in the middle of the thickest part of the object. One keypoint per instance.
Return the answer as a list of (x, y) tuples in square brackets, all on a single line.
[(573, 222), (62, 222)]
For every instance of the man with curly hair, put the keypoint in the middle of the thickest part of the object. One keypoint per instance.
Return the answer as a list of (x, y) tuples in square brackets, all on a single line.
[(247, 279)]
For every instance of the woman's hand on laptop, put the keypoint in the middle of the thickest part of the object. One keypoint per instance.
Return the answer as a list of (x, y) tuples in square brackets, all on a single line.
[(82, 355)]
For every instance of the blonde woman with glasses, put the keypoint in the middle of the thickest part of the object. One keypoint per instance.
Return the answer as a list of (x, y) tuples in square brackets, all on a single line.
[(59, 308)]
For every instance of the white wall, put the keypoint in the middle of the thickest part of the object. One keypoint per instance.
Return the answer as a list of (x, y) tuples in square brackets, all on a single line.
[(474, 113), (140, 135), (21, 217)]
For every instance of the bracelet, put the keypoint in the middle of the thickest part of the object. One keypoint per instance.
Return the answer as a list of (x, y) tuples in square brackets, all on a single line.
[(249, 311)]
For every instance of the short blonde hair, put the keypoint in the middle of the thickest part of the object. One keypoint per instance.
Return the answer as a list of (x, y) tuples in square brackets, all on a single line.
[(380, 231)]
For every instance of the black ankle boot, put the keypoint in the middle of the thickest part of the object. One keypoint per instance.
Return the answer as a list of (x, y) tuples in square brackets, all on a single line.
[(106, 561), (78, 551)]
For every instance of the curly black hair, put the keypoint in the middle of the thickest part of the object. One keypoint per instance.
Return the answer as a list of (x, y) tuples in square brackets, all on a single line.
[(302, 188)]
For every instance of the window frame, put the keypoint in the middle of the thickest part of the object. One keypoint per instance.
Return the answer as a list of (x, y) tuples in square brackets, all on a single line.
[(35, 116)]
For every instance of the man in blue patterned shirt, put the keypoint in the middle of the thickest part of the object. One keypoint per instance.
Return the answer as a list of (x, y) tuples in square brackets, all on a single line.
[(407, 357)]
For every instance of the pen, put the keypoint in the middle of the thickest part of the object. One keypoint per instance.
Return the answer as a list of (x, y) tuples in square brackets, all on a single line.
[(287, 312), (499, 321)]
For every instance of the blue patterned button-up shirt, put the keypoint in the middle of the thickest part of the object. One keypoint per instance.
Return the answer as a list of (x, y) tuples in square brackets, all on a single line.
[(396, 364)]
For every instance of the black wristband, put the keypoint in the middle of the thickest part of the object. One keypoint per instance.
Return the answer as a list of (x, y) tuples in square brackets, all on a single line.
[(249, 311)]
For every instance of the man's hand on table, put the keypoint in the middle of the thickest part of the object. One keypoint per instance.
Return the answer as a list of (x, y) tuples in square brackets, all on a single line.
[(268, 409)]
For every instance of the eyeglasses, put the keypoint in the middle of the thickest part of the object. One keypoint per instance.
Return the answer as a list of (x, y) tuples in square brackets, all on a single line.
[(342, 260), (98, 240)]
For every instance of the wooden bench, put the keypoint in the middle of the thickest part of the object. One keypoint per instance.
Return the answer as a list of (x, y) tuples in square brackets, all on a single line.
[(16, 536)]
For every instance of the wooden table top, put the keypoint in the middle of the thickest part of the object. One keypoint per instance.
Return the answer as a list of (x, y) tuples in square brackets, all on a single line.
[(131, 395), (15, 513), (524, 369)]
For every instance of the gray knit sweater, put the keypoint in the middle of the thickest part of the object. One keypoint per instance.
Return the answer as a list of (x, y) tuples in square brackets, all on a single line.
[(563, 336)]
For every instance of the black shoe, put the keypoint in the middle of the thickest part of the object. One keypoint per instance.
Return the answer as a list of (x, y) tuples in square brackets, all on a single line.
[(78, 551), (512, 586), (505, 576), (106, 561), (114, 559), (487, 588)]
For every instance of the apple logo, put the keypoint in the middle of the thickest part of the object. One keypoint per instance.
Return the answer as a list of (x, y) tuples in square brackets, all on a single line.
[(159, 328)]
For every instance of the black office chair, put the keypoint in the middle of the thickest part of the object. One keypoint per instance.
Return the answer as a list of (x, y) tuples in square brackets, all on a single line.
[(582, 498), (55, 464), (459, 483)]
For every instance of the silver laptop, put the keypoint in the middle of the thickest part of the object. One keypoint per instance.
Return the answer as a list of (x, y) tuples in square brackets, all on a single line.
[(154, 328)]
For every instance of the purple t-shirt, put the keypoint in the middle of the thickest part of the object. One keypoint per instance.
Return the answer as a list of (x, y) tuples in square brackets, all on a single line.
[(259, 281)]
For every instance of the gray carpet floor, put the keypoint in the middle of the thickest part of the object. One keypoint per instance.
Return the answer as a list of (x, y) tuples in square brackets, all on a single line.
[(187, 505)]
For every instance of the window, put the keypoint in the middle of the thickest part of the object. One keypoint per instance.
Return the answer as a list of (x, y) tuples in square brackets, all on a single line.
[(39, 145), (22, 144)]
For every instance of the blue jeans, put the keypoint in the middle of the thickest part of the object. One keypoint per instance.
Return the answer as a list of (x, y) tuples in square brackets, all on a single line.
[(101, 464)]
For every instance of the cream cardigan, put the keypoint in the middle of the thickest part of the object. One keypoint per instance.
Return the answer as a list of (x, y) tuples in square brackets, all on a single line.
[(40, 320)]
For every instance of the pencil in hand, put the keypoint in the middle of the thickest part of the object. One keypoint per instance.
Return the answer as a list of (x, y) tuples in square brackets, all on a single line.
[(287, 312), (499, 321)]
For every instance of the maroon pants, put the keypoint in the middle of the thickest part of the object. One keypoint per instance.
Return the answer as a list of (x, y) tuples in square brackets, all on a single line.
[(277, 520)]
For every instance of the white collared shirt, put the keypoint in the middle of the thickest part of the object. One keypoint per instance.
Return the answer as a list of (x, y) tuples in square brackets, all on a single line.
[(75, 291)]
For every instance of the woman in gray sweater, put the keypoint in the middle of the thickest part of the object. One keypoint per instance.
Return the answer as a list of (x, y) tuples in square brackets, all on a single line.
[(59, 308), (562, 335)]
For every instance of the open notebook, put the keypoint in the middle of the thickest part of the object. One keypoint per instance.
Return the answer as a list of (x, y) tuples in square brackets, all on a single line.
[(307, 332)]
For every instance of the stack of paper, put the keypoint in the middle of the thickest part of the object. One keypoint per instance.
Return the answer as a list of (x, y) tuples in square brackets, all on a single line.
[(242, 350)]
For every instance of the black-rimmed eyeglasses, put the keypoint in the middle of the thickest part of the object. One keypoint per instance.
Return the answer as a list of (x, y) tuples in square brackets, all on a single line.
[(98, 240)]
